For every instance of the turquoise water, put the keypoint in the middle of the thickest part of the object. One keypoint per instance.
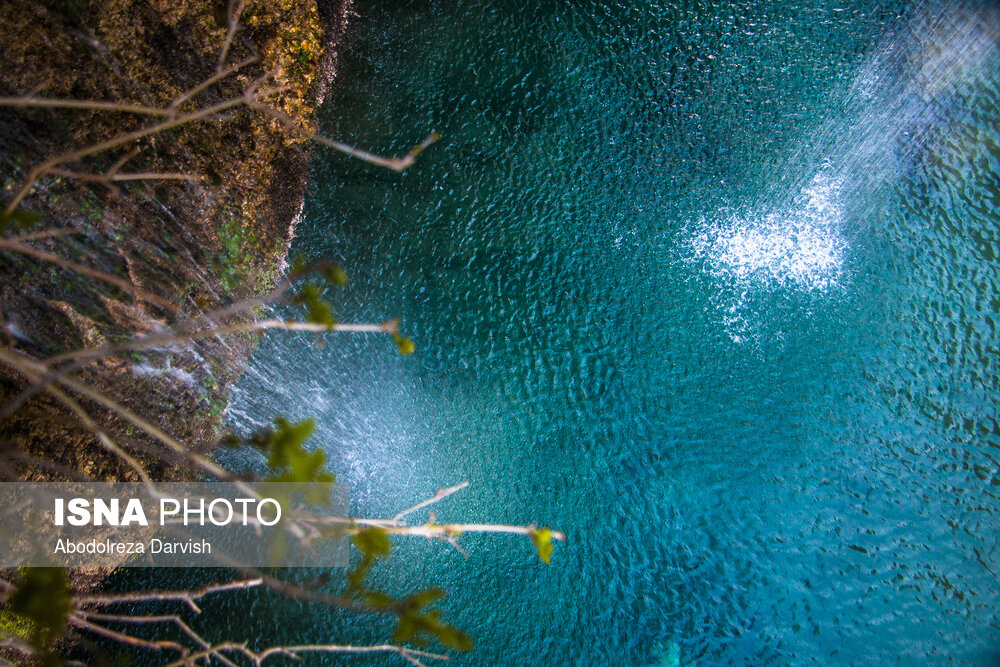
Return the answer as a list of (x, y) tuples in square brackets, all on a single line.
[(712, 287)]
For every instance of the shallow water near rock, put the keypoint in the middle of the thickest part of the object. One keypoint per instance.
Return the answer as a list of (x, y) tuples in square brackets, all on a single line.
[(711, 287)]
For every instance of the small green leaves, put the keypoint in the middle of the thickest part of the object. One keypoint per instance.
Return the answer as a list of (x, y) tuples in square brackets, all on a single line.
[(287, 456), (43, 598), (415, 622), (287, 438), (421, 599), (299, 266), (320, 312), (404, 344), (18, 219), (373, 543), (335, 275), (542, 539), (318, 309)]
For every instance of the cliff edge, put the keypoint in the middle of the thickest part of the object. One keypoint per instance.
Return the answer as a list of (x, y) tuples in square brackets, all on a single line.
[(206, 222)]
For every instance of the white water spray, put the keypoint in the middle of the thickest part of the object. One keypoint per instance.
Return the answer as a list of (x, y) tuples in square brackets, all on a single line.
[(897, 98)]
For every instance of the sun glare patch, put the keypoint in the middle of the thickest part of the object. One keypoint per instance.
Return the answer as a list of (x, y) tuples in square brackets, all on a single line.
[(801, 247)]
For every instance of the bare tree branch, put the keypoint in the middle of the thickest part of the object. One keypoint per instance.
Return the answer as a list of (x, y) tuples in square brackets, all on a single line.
[(161, 340), (172, 619), (24, 366), (116, 178), (394, 163), (188, 597), (31, 102), (124, 285), (42, 234), (171, 122), (123, 638), (38, 462), (234, 22), (438, 495), (413, 656)]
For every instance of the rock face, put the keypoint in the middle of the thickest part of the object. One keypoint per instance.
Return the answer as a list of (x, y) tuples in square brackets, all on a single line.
[(214, 231)]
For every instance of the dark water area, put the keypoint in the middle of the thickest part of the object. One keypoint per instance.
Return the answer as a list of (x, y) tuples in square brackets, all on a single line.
[(711, 287)]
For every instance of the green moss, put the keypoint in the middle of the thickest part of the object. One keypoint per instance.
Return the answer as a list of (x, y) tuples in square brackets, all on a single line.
[(238, 244), (15, 625)]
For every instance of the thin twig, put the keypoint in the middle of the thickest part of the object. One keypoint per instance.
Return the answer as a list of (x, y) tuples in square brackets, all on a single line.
[(123, 638), (78, 357), (443, 531), (250, 98), (299, 592), (42, 234), (172, 619), (207, 83), (234, 23), (394, 163), (34, 370), (115, 178), (438, 495), (36, 387), (429, 530), (189, 597), (93, 105), (244, 306), (410, 655), (124, 285), (38, 462), (160, 340), (171, 122), (30, 370), (122, 161)]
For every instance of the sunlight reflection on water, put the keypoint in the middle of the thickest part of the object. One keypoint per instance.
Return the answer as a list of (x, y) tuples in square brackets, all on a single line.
[(801, 247)]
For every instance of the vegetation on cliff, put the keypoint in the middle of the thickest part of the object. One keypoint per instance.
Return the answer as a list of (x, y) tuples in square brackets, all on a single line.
[(216, 228)]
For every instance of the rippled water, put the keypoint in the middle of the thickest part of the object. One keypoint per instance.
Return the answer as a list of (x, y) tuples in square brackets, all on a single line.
[(712, 287)]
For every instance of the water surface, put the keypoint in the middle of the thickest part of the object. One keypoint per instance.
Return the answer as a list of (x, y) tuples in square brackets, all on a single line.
[(711, 287)]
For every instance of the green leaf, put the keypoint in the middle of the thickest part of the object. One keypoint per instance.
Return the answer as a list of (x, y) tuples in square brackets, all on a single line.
[(415, 624), (378, 600), (320, 312), (308, 292), (405, 345), (286, 441), (421, 599), (373, 542), (416, 627), (451, 636), (299, 265), (335, 275), (286, 455), (43, 597), (18, 219), (542, 539)]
